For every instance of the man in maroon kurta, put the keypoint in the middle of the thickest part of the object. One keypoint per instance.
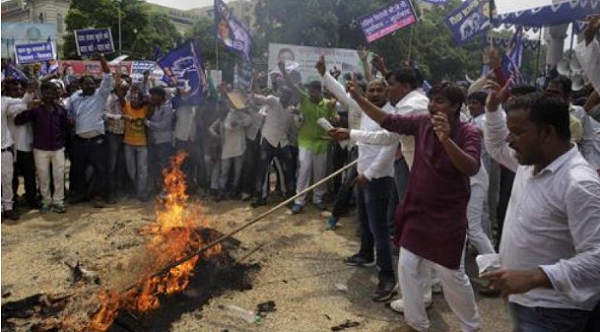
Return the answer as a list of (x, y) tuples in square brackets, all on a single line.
[(432, 221)]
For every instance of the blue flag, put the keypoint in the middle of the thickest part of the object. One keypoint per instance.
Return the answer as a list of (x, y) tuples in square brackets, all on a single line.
[(14, 73), (231, 32), (469, 20), (511, 61), (183, 66)]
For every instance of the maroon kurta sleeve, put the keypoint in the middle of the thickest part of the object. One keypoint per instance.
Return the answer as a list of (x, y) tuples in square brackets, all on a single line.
[(403, 124), (470, 141)]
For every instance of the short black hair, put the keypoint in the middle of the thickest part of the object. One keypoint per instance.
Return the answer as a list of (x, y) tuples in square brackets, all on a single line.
[(522, 89), (316, 85), (48, 85), (545, 110), (84, 77), (478, 96), (405, 76), (159, 91), (452, 91), (565, 83)]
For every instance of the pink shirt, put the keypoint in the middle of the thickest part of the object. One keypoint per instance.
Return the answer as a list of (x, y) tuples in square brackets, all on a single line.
[(432, 219)]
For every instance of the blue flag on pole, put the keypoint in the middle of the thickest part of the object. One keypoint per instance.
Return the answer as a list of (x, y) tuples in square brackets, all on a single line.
[(231, 32), (14, 73), (183, 65), (511, 61), (469, 20)]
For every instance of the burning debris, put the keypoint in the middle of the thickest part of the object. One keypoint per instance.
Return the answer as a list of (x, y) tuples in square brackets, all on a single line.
[(178, 231)]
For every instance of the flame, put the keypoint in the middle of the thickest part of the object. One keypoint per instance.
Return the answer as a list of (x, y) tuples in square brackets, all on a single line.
[(172, 237)]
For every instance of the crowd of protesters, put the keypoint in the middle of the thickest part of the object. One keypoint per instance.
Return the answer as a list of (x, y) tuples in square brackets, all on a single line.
[(513, 169)]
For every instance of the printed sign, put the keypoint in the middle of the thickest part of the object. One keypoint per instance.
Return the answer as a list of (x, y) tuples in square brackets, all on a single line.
[(388, 19), (34, 53), (94, 41)]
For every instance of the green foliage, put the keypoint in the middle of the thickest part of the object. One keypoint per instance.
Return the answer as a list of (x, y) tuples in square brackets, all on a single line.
[(141, 30), (332, 23)]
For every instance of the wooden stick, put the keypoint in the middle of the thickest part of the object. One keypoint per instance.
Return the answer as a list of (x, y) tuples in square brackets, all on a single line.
[(246, 225)]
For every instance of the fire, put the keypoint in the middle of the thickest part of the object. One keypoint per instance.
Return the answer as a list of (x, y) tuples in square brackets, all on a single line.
[(172, 237)]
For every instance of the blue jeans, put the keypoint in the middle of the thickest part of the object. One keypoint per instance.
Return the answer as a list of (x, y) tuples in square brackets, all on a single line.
[(538, 319), (372, 203), (136, 159)]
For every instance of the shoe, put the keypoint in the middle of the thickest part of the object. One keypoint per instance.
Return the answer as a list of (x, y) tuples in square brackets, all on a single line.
[(436, 289), (258, 202), (398, 305), (235, 196), (111, 200), (11, 215), (296, 208), (358, 260), (385, 290), (220, 197), (77, 199), (98, 204), (319, 205), (489, 292), (246, 197), (332, 222), (143, 198), (45, 208), (34, 205), (59, 208)]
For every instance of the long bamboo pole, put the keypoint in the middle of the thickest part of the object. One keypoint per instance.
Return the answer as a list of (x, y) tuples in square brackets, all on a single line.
[(246, 225)]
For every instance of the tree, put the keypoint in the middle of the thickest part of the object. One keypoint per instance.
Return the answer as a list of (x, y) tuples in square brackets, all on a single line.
[(330, 23), (141, 30)]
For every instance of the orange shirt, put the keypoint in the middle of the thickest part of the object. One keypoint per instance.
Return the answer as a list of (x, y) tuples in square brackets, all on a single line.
[(135, 129)]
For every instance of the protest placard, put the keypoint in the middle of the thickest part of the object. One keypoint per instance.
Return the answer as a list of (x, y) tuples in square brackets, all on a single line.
[(34, 53), (94, 41), (387, 19)]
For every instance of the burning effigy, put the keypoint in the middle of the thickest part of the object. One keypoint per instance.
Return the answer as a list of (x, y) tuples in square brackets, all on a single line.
[(173, 239)]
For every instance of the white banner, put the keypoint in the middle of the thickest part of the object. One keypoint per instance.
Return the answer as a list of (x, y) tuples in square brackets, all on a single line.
[(306, 57)]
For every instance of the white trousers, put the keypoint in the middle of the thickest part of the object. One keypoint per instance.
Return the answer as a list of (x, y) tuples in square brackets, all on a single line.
[(476, 217), (44, 160), (7, 177), (414, 277), (311, 164)]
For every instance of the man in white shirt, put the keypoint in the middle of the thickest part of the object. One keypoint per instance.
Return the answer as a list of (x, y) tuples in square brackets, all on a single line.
[(8, 211), (589, 142), (274, 142), (550, 248), (23, 137), (375, 182)]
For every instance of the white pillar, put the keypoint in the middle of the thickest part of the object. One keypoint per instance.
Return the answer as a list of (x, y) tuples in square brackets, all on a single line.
[(555, 37)]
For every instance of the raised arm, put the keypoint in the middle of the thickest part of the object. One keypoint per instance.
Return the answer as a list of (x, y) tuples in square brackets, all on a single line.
[(496, 130), (363, 54), (336, 88)]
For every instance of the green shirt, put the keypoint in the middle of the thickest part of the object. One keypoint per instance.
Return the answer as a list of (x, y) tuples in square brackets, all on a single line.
[(311, 136)]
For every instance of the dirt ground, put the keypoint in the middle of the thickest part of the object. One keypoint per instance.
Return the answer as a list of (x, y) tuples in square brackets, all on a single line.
[(301, 264)]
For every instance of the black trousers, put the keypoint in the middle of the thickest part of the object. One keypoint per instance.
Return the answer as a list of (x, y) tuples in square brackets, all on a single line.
[(89, 152), (25, 166)]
